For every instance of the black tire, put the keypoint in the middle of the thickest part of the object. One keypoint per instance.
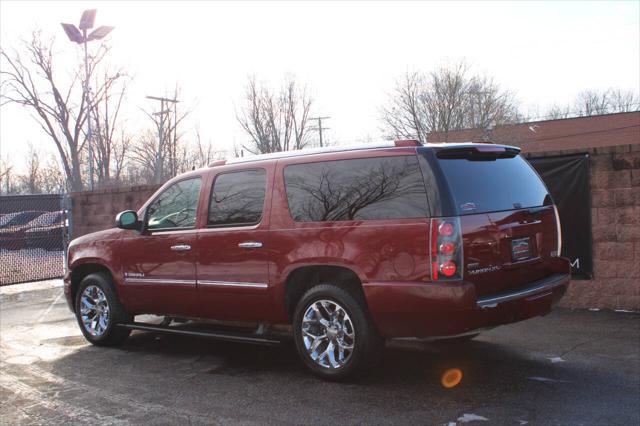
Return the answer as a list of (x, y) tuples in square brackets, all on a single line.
[(112, 335), (368, 347)]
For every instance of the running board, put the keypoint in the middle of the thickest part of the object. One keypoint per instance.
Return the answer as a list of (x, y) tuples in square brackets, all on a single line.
[(230, 337)]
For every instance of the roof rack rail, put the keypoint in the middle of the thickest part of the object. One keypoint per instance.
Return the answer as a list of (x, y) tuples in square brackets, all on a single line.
[(310, 151)]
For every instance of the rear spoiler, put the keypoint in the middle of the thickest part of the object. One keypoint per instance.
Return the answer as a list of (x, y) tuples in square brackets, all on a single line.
[(479, 153)]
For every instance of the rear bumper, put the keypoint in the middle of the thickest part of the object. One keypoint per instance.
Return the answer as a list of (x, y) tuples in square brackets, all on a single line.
[(427, 310), (544, 285)]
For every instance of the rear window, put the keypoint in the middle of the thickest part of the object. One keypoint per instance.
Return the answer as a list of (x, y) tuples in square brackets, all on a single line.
[(360, 189), (487, 186)]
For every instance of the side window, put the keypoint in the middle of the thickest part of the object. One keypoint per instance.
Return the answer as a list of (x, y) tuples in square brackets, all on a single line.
[(175, 207), (237, 198), (362, 189)]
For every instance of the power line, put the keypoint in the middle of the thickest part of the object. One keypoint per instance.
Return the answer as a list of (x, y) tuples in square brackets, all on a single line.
[(590, 132), (158, 172), (319, 128)]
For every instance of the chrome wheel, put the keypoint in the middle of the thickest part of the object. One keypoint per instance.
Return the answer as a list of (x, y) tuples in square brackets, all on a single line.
[(328, 334), (94, 310)]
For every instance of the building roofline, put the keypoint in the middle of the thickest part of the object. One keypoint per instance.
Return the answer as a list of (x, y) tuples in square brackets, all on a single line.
[(522, 123), (575, 118)]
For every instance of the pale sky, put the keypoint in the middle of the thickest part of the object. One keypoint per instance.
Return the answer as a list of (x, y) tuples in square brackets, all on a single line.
[(348, 53)]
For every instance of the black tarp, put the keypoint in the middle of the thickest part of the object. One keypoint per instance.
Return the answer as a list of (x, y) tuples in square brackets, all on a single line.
[(567, 178)]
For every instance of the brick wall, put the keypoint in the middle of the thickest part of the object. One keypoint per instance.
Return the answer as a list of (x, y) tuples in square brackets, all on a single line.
[(615, 217), (96, 210)]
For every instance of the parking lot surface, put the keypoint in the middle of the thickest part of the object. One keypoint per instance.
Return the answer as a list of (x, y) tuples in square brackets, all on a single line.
[(571, 367)]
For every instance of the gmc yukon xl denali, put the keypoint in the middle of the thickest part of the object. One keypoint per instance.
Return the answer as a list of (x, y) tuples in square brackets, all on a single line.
[(342, 248)]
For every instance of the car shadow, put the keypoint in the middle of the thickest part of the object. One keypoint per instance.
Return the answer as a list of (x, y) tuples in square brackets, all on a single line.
[(407, 362), (266, 384)]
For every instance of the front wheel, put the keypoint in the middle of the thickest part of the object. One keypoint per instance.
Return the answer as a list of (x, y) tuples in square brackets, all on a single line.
[(333, 333), (99, 311)]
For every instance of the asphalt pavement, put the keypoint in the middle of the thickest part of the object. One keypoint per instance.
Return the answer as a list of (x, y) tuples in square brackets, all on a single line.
[(568, 368)]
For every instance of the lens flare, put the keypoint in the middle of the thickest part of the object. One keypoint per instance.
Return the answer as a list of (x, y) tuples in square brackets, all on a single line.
[(451, 378)]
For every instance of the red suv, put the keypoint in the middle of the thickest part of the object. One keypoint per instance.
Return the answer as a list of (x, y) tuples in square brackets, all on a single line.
[(347, 246)]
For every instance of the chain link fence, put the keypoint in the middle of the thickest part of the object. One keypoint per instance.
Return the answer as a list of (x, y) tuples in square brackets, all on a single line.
[(34, 232)]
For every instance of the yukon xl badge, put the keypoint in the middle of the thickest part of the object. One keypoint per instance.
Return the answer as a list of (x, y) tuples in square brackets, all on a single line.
[(492, 268)]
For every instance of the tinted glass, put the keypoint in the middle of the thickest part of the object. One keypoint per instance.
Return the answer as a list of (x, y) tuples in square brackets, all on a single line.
[(486, 186), (176, 206), (362, 189), (238, 198)]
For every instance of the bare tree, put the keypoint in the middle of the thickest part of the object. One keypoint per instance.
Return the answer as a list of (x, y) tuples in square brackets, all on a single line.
[(624, 100), (202, 153), (275, 121), (142, 156), (594, 102), (444, 100), (37, 179), (7, 181), (52, 179), (30, 78), (556, 113), (119, 152), (591, 102), (139, 163), (406, 114), (32, 180)]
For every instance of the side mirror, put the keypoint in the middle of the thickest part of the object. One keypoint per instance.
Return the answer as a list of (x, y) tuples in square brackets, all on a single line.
[(127, 219)]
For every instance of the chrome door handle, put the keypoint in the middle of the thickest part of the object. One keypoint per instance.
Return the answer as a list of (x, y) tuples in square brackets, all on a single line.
[(250, 244), (181, 247)]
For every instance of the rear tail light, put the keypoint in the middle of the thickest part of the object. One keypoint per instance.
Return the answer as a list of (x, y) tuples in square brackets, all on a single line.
[(558, 231), (446, 249)]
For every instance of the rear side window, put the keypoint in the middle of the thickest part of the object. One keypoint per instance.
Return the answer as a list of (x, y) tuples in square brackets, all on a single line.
[(361, 189), (487, 186), (237, 198)]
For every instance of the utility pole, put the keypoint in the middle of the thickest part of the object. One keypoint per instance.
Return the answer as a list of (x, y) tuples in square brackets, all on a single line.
[(319, 128), (163, 113)]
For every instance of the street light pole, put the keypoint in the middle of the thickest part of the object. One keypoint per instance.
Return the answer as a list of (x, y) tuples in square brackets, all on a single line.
[(86, 23), (88, 104)]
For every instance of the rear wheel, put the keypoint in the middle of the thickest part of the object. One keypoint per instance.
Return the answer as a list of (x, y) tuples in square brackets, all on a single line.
[(99, 311), (333, 334)]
